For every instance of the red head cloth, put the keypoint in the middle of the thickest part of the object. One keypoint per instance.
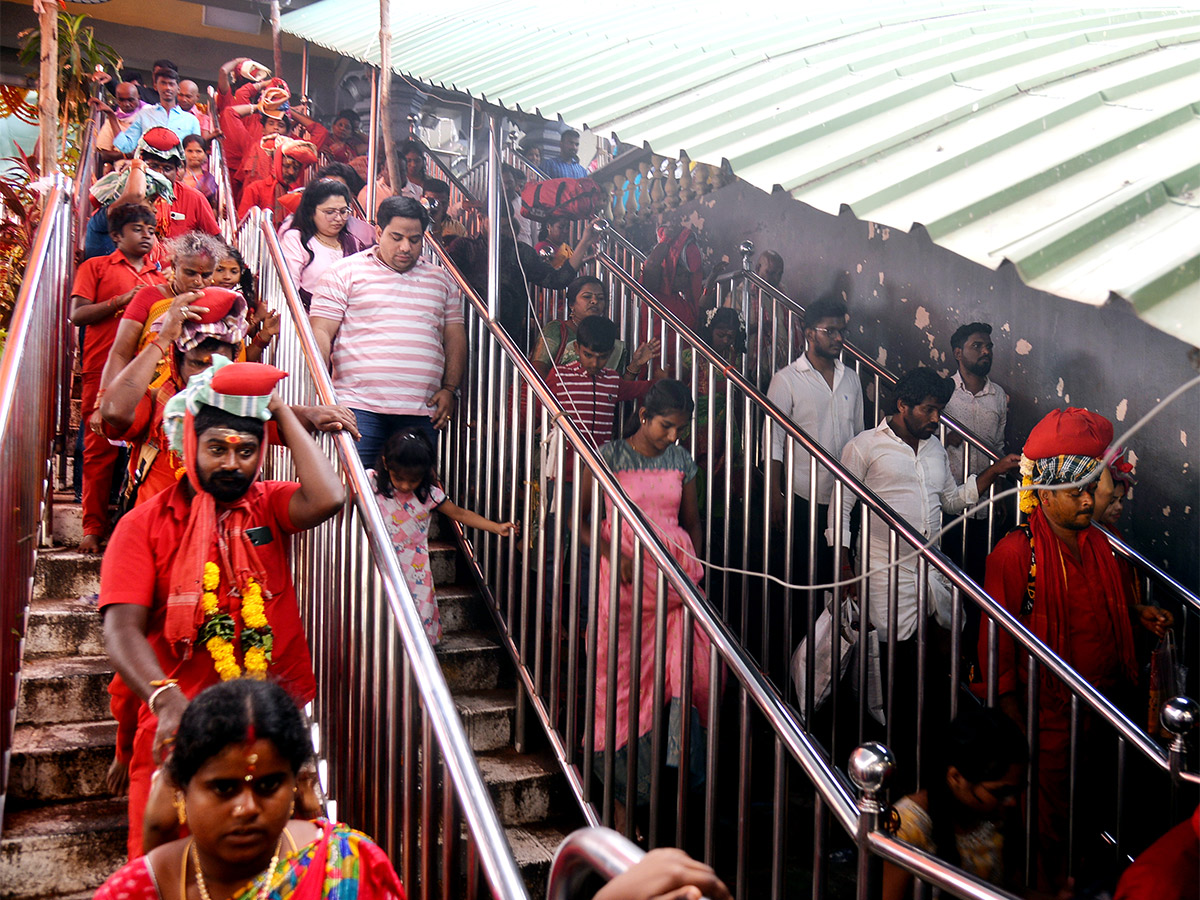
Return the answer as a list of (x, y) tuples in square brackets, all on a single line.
[(273, 101), (1069, 432), (253, 71), (219, 302), (304, 152), (246, 379), (161, 140)]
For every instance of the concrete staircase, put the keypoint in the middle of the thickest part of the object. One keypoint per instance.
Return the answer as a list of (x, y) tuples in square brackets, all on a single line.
[(528, 789), (63, 833)]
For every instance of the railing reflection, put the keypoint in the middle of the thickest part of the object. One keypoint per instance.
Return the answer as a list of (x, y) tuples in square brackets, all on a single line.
[(400, 764), (35, 372)]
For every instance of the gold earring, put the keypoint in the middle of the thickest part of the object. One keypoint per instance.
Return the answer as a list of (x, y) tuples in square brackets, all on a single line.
[(180, 808)]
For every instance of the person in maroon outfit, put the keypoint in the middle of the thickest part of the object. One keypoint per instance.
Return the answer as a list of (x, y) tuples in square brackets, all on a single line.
[(1057, 575)]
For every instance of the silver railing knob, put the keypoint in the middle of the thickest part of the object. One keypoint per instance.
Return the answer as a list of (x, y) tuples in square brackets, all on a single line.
[(1180, 715), (870, 768), (601, 226), (746, 248)]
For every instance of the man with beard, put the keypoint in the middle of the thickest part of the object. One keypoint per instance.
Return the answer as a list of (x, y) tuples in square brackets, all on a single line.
[(196, 585), (1058, 576), (901, 463)]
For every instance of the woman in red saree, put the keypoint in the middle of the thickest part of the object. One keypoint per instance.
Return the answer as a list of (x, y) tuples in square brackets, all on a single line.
[(237, 754)]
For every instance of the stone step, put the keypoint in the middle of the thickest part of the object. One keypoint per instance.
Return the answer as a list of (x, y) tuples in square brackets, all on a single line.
[(68, 523), (443, 560), (487, 717), (61, 849), (462, 609), (66, 574), (525, 788), (472, 661), (533, 848), (66, 761), (64, 690), (63, 628)]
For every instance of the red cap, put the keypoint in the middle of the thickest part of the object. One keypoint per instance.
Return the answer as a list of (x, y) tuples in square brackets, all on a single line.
[(161, 139), (247, 379), (219, 301), (1071, 432)]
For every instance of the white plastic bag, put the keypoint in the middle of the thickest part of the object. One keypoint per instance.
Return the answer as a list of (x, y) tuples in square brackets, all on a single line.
[(823, 638)]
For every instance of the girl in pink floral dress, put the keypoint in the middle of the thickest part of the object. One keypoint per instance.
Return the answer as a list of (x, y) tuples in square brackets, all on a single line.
[(407, 492)]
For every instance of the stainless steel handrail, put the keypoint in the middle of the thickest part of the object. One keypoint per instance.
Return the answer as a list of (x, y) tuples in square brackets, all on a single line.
[(491, 843), (586, 851), (895, 523), (34, 376), (1146, 566), (835, 791), (226, 208), (85, 175), (610, 852)]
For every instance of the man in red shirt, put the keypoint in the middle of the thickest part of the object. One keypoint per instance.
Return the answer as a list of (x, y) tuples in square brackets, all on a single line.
[(212, 549), (103, 287), (1057, 575), (189, 210), (289, 159)]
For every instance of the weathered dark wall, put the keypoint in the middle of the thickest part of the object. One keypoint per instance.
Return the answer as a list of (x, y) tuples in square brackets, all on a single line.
[(907, 296)]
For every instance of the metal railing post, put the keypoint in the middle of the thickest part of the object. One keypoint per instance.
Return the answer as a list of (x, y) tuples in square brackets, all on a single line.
[(870, 768)]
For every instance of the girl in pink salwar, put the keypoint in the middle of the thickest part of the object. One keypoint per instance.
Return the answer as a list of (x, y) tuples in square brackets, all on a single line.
[(407, 493), (660, 478)]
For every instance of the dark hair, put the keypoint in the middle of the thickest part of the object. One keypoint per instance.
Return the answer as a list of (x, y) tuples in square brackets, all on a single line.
[(570, 132), (397, 207), (665, 397), (122, 214), (597, 333), (982, 743), (826, 307), (727, 317), (228, 713), (518, 175), (246, 281), (212, 417), (775, 264), (196, 138), (209, 345), (436, 186), (959, 338), (579, 284), (343, 171), (305, 220), (407, 450), (350, 116), (913, 387), (164, 68), (544, 231), (411, 144)]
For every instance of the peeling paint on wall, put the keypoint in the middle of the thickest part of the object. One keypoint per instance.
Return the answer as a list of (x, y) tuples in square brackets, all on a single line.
[(1058, 388), (1122, 408), (922, 319), (1023, 347), (1183, 438), (881, 278), (881, 357)]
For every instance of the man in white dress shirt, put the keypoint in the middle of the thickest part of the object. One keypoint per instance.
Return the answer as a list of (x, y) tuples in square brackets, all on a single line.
[(981, 406), (825, 401), (910, 472)]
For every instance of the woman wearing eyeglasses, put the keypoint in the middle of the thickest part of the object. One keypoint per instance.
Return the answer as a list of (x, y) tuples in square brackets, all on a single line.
[(960, 817), (318, 237)]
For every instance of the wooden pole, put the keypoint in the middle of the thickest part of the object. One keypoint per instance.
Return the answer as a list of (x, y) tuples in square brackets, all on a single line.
[(48, 87), (276, 38), (385, 96)]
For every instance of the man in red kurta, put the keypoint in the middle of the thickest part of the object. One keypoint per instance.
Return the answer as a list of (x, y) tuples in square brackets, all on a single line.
[(289, 159), (218, 533), (1059, 578), (103, 287)]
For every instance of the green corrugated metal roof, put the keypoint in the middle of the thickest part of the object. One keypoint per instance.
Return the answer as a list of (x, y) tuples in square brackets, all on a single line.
[(1064, 139)]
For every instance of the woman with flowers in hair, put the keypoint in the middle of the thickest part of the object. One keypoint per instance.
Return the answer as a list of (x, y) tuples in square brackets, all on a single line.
[(196, 587)]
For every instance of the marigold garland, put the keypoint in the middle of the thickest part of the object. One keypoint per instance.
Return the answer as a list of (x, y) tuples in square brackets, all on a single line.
[(219, 628)]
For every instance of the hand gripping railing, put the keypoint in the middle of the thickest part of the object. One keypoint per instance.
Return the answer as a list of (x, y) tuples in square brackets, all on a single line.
[(893, 537), (35, 376), (765, 307), (384, 712), (541, 591)]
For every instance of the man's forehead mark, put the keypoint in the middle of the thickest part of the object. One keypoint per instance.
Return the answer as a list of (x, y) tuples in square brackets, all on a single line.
[(219, 434)]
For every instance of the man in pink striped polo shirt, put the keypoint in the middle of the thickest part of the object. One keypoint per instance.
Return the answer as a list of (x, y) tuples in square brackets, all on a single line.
[(390, 325)]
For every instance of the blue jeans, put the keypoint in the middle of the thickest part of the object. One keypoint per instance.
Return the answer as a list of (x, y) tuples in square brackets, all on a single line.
[(375, 428)]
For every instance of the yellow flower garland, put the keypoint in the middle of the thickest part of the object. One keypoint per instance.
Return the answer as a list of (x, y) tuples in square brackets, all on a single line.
[(218, 629)]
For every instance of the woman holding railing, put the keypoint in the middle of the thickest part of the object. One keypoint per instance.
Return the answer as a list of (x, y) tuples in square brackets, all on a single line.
[(660, 478)]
